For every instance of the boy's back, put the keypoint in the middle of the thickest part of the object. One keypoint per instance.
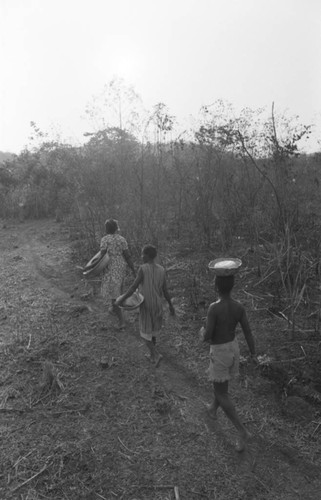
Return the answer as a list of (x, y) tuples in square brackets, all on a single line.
[(223, 317)]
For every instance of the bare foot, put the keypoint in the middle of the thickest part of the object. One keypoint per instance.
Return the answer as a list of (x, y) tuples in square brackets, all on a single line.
[(211, 411), (241, 442), (158, 360), (150, 358)]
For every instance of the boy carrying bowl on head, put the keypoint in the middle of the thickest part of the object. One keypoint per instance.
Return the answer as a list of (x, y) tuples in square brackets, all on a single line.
[(222, 318)]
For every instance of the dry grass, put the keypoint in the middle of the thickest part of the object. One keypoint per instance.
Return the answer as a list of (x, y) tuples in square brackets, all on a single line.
[(75, 428)]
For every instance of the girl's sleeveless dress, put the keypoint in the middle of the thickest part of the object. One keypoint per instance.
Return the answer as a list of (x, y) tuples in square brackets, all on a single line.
[(151, 310)]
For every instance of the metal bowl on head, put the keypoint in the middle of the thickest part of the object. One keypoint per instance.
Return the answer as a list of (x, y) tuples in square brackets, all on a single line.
[(225, 266), (96, 265), (132, 302)]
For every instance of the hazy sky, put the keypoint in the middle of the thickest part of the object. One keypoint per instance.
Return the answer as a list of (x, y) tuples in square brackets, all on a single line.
[(55, 55)]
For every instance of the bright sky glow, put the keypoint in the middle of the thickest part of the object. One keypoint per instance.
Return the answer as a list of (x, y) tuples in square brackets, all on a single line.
[(55, 55)]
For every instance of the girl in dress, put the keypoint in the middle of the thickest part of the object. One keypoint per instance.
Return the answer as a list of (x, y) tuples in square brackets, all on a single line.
[(151, 280)]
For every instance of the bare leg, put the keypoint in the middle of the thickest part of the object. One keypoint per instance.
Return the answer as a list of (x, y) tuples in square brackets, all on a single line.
[(151, 349), (155, 356), (222, 397), (213, 407), (119, 313)]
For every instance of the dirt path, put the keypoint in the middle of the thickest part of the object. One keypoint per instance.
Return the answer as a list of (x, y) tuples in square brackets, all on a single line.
[(74, 428)]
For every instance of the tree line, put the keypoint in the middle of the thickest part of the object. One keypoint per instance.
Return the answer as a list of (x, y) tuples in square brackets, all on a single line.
[(228, 177)]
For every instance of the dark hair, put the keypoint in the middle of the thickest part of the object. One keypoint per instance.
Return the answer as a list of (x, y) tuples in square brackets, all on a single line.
[(111, 226), (150, 251), (224, 284)]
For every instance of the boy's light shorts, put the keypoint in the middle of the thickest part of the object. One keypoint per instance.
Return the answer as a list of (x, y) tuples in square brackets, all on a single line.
[(224, 361), (149, 336)]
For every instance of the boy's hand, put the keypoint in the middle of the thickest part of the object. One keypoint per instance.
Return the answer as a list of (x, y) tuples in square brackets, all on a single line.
[(201, 334)]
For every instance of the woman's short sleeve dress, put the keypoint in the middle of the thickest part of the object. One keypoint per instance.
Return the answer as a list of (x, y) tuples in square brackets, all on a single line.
[(113, 277)]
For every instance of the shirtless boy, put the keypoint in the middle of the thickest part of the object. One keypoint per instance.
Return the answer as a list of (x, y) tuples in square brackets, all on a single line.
[(222, 318)]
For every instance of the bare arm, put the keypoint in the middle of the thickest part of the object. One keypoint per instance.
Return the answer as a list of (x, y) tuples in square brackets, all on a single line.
[(131, 289), (167, 297), (102, 251), (247, 333), (129, 261), (210, 324)]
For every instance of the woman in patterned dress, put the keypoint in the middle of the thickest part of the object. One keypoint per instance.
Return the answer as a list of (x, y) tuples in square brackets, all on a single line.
[(119, 258)]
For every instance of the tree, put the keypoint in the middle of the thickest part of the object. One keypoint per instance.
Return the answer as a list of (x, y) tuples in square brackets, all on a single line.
[(118, 105)]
